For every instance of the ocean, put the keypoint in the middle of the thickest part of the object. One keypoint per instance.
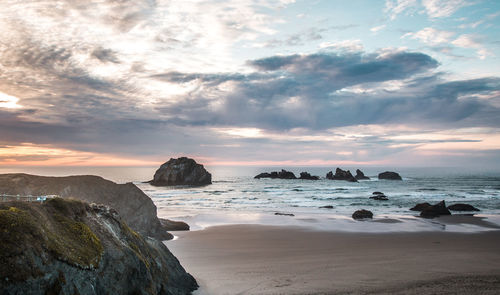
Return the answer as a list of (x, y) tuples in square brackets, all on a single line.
[(235, 197)]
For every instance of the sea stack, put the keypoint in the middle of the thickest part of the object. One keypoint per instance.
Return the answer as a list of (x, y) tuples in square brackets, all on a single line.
[(283, 174), (389, 175), (341, 175), (360, 175), (181, 171)]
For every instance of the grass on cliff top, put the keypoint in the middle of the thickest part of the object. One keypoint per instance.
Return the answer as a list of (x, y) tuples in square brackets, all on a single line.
[(57, 226)]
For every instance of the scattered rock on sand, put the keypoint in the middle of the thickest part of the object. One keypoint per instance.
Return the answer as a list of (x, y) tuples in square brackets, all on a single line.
[(360, 175), (435, 210), (284, 214), (181, 171), (341, 175), (283, 174), (462, 207), (389, 175), (306, 175), (326, 207), (420, 207), (362, 214)]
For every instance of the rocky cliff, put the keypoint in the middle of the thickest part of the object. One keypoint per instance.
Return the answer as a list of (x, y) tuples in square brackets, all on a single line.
[(135, 207), (66, 246)]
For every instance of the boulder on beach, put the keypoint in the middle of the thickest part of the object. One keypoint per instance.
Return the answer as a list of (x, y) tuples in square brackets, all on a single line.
[(283, 174), (420, 207), (362, 214), (181, 171), (341, 175), (66, 246), (171, 225), (360, 175), (389, 175), (435, 210), (462, 207), (306, 175)]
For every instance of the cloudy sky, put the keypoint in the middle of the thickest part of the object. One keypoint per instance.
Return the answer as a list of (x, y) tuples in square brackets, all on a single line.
[(250, 82)]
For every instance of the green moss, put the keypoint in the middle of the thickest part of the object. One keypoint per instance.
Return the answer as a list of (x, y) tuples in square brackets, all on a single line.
[(74, 242), (31, 230), (19, 234), (16, 225), (133, 238)]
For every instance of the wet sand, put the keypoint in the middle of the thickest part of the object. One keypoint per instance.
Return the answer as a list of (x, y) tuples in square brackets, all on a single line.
[(257, 259)]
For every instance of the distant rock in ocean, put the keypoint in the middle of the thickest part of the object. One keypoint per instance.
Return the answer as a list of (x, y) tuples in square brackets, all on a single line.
[(306, 175), (462, 207), (379, 196), (435, 210), (389, 175), (283, 174), (133, 205), (67, 247), (360, 175), (181, 171), (341, 175), (362, 214)]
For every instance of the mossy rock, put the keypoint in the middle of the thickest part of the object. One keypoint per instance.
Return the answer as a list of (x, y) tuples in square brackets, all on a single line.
[(56, 226), (19, 234), (74, 242), (16, 225)]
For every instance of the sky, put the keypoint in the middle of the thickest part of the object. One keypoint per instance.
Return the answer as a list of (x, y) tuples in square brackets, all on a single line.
[(250, 82)]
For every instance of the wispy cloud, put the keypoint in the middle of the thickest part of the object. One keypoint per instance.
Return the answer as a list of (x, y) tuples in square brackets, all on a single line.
[(377, 28), (472, 41), (443, 8), (394, 8), (430, 36), (433, 8)]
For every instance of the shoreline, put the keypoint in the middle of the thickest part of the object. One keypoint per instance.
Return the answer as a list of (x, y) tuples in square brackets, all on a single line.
[(262, 259), (339, 223)]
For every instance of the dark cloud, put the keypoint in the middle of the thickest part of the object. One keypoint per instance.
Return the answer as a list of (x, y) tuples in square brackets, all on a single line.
[(312, 91), (105, 55), (298, 39)]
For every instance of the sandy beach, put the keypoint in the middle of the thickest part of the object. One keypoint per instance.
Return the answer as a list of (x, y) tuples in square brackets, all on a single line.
[(259, 259)]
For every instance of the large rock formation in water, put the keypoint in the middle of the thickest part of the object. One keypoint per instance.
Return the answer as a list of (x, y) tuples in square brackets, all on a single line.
[(308, 176), (135, 207), (66, 246), (360, 175), (436, 210), (341, 175), (389, 175), (283, 174), (181, 171)]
